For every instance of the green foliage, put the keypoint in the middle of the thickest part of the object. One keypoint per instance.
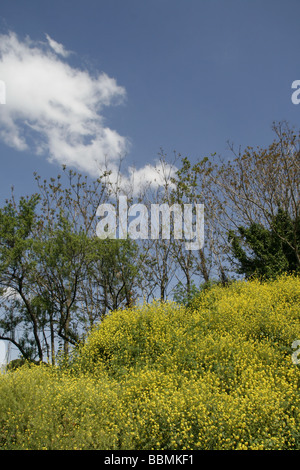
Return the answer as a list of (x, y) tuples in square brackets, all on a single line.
[(16, 227), (215, 375), (56, 277), (16, 363), (272, 251), (182, 296)]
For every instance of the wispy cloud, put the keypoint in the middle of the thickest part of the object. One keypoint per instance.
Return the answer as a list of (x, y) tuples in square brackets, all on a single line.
[(57, 47)]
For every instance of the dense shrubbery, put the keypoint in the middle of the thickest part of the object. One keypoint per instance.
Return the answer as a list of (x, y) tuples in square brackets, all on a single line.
[(215, 375)]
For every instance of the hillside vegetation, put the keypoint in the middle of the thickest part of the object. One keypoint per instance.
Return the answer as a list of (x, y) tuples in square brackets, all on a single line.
[(217, 374)]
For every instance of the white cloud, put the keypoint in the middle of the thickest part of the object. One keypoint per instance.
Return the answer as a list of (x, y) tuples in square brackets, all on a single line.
[(152, 175), (55, 109), (57, 47)]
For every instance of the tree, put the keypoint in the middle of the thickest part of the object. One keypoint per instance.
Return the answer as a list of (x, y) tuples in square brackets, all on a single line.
[(195, 184), (63, 258), (267, 253), (17, 266), (61, 278), (260, 182)]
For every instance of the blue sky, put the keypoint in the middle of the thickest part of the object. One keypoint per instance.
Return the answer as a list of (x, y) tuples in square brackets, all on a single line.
[(182, 75)]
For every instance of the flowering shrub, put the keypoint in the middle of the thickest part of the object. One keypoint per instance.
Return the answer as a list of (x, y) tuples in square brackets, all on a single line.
[(215, 375)]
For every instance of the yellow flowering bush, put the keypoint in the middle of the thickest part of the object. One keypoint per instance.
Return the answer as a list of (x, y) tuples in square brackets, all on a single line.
[(215, 375)]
